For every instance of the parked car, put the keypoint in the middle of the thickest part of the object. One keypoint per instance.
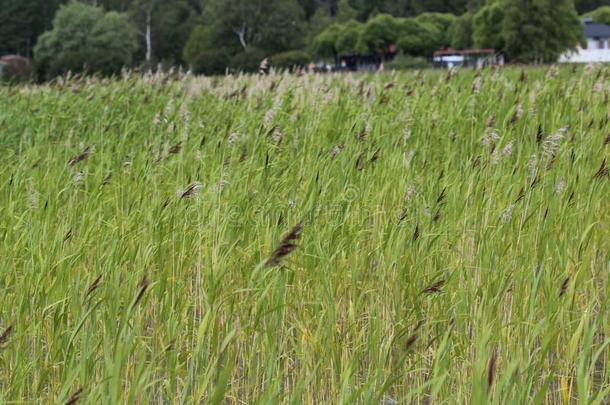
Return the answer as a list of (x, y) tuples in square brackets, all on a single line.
[(14, 67), (476, 58)]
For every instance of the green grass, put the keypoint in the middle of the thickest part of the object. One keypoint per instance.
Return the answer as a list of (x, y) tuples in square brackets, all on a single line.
[(454, 245)]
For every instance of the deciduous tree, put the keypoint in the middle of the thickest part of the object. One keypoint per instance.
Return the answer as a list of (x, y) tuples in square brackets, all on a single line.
[(85, 38)]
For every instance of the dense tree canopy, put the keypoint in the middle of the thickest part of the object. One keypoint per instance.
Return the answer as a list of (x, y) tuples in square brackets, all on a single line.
[(583, 6), (461, 32), (211, 35), (540, 30), (487, 27), (85, 38), (601, 15), (22, 21)]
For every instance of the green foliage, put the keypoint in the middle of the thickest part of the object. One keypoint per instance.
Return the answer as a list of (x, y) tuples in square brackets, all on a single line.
[(418, 38), (325, 43), (191, 30), (247, 61), (443, 23), (461, 32), (584, 6), (200, 42), (172, 22), (210, 62), (407, 62), (248, 31), (439, 6), (84, 38), (22, 21), (345, 12), (290, 59), (284, 28), (318, 23), (272, 25), (110, 44), (454, 247), (379, 32), (600, 15), (538, 31), (487, 26), (347, 39)]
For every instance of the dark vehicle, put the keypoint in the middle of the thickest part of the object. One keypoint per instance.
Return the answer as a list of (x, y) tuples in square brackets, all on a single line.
[(475, 58), (14, 68)]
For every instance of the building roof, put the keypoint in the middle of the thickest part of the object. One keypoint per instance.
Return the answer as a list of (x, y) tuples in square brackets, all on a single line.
[(452, 52), (594, 30)]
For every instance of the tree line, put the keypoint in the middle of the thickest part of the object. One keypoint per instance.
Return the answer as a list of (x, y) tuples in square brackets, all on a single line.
[(212, 35)]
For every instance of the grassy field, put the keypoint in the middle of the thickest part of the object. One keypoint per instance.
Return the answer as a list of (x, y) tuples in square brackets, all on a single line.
[(379, 239)]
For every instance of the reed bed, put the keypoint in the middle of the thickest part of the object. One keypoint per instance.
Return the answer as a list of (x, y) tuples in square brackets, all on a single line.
[(397, 238)]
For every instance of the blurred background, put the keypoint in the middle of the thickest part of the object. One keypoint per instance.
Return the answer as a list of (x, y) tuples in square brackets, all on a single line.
[(46, 38)]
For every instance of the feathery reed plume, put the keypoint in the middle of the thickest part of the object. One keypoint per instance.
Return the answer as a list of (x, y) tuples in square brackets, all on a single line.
[(335, 151), (403, 215), (491, 120), (243, 155), (264, 68), (411, 341), (287, 245), (508, 149), (517, 114), (4, 337), (477, 84), (107, 179), (552, 143), (191, 190), (366, 130), (539, 134), (94, 286), (413, 337), (68, 235), (74, 397), (561, 186), (490, 138), (78, 178), (434, 288), (437, 215), (521, 195), (416, 233), (175, 149), (80, 157), (602, 172), (507, 214), (442, 196), (360, 161), (375, 156), (409, 193), (564, 286), (143, 287), (491, 368)]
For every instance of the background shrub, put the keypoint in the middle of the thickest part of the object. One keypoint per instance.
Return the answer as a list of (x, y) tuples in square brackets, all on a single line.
[(290, 59)]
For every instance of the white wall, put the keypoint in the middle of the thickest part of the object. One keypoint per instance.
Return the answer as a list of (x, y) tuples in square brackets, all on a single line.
[(590, 55), (594, 44)]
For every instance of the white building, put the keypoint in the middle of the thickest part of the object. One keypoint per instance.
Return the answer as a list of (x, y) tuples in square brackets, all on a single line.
[(598, 45)]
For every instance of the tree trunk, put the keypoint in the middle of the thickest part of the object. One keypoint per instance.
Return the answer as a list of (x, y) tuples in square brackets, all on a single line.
[(148, 38), (241, 33)]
